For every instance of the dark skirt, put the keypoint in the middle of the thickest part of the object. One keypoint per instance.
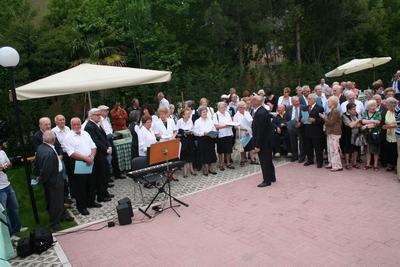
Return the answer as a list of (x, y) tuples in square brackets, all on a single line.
[(187, 149), (250, 145), (345, 140), (206, 150), (391, 153), (224, 145)]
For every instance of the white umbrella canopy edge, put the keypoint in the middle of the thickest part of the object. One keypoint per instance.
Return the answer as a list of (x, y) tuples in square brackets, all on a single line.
[(356, 65), (89, 77)]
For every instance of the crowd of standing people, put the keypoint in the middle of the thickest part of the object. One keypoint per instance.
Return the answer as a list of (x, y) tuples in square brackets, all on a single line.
[(330, 125)]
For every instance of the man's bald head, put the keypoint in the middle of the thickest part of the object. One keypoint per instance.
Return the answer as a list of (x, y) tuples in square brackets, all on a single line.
[(44, 124), (60, 121), (257, 101), (49, 137)]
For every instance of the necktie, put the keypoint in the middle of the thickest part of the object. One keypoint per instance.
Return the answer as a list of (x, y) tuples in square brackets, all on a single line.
[(319, 101), (309, 109), (296, 114)]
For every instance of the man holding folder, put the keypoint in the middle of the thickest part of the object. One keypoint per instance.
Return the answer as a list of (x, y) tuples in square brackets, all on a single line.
[(81, 151)]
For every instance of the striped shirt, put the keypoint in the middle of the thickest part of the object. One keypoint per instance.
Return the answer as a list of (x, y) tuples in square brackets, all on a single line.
[(397, 114)]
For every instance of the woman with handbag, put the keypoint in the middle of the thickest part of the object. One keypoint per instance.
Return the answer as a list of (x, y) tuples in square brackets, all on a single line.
[(371, 123), (333, 125), (352, 136), (390, 138)]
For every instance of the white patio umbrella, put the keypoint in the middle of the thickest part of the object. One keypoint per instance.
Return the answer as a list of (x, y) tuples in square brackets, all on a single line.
[(356, 65), (87, 77)]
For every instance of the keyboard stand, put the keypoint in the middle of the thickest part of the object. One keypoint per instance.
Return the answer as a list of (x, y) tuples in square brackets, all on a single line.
[(169, 176)]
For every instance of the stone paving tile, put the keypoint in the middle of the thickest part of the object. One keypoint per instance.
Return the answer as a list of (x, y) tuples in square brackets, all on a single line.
[(125, 188), (329, 219)]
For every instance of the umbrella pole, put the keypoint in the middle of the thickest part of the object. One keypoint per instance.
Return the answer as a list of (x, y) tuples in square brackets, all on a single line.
[(373, 71), (90, 100)]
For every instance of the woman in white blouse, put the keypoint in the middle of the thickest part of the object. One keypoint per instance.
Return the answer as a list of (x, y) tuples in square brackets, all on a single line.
[(185, 134), (206, 145), (222, 119), (164, 128), (245, 120), (285, 99), (146, 136)]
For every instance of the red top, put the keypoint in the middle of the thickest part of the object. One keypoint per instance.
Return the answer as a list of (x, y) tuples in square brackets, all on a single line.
[(118, 118)]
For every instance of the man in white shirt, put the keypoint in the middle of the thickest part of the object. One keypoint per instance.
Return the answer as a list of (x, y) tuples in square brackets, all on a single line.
[(61, 131), (80, 147), (323, 85), (351, 98), (107, 127), (163, 101)]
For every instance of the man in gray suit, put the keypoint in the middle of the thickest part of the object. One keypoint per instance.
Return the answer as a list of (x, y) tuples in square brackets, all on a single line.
[(295, 130), (49, 173)]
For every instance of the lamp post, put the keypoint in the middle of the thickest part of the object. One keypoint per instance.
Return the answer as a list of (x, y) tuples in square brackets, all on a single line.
[(9, 58)]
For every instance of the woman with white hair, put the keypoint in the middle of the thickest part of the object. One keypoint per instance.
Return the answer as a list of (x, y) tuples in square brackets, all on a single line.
[(333, 130), (390, 127), (222, 119), (245, 121), (204, 129), (371, 123)]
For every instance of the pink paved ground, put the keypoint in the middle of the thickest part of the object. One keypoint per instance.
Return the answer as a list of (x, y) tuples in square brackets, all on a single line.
[(310, 217)]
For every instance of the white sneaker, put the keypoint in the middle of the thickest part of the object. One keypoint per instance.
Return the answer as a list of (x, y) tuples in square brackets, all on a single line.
[(277, 155)]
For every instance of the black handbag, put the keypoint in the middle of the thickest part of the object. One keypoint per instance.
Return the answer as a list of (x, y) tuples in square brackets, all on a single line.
[(374, 137)]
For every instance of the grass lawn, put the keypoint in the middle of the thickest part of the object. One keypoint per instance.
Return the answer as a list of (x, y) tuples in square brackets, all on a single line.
[(18, 181)]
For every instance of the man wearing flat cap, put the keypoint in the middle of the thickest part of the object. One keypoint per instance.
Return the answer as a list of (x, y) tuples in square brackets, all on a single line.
[(101, 167)]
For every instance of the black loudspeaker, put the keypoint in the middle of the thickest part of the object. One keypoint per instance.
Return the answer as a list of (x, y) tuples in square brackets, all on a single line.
[(124, 215), (127, 201)]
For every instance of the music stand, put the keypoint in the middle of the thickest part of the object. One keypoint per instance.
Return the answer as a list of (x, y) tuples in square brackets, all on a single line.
[(162, 152)]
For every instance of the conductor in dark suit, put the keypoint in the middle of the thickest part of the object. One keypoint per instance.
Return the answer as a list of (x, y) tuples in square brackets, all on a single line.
[(262, 134), (313, 131), (48, 172), (101, 166)]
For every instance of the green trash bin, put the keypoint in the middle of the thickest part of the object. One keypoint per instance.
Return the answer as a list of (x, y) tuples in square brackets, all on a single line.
[(6, 248)]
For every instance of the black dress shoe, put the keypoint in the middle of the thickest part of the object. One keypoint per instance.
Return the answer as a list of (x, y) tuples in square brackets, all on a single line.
[(212, 172), (264, 184), (301, 160), (110, 185), (110, 195), (95, 205), (103, 199), (308, 163), (83, 211), (293, 159)]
